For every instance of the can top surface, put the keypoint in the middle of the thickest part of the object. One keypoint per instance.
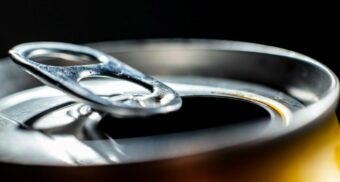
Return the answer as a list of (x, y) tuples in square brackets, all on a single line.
[(295, 90)]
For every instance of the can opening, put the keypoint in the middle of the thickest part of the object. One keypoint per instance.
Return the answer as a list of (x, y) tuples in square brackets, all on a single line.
[(196, 113)]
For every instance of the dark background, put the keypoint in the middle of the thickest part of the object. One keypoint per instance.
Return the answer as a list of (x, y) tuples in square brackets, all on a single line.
[(308, 28)]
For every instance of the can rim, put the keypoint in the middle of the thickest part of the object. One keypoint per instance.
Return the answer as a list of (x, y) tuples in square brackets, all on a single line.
[(315, 112), (313, 115)]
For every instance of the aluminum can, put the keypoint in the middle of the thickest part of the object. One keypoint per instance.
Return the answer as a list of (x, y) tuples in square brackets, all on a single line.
[(250, 112)]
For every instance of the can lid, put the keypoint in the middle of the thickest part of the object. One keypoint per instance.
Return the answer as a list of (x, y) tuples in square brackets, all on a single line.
[(53, 129)]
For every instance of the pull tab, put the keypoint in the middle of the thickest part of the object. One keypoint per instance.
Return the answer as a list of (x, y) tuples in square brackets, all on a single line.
[(162, 98)]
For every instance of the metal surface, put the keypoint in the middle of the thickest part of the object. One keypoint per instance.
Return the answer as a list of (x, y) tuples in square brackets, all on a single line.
[(281, 81), (66, 78), (63, 127)]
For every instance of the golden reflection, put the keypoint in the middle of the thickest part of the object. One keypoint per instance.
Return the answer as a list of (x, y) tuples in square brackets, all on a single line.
[(307, 157)]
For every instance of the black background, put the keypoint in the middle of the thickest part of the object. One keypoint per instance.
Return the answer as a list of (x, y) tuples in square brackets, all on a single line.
[(308, 28)]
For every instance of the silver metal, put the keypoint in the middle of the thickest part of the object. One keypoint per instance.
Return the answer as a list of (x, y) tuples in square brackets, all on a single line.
[(278, 77), (163, 99), (63, 127)]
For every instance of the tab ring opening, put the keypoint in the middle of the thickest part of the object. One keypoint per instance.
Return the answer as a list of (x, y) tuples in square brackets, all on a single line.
[(162, 98)]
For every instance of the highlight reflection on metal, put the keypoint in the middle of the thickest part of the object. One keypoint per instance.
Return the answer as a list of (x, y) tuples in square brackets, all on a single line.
[(66, 78), (91, 146), (41, 126)]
